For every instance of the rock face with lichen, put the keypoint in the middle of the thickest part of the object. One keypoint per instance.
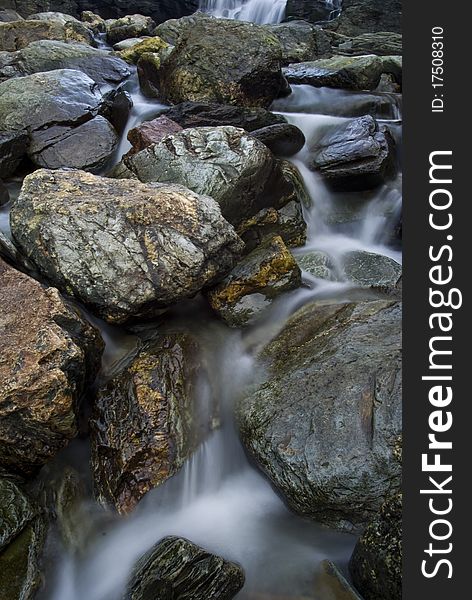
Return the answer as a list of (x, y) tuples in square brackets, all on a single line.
[(143, 425), (325, 422), (376, 564), (18, 34), (238, 171), (48, 354), (206, 64), (177, 566), (124, 248), (255, 282)]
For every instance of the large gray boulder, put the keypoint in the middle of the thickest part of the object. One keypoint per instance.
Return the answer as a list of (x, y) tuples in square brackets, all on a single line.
[(144, 423), (368, 16), (124, 248), (48, 55), (224, 162), (131, 26), (49, 354), (301, 41), (325, 422), (176, 569), (16, 35), (52, 107), (218, 60)]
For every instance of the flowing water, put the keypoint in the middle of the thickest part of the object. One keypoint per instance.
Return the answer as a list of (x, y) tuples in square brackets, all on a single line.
[(219, 499)]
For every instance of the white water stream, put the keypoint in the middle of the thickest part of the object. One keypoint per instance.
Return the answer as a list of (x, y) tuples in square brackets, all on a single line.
[(257, 11)]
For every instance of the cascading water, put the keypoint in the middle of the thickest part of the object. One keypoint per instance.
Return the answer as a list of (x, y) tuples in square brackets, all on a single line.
[(257, 11)]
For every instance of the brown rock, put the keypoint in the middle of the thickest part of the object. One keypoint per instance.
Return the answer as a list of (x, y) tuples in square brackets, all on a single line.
[(151, 132), (47, 354), (18, 34)]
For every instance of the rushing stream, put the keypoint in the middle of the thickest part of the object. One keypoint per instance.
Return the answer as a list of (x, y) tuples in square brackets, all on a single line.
[(219, 500)]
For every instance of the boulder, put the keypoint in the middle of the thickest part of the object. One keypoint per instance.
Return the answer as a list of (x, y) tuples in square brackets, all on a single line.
[(93, 21), (59, 110), (345, 72), (357, 154), (134, 52), (124, 248), (160, 11), (255, 282), (131, 26), (382, 43), (368, 16), (318, 264), (7, 15), (282, 139), (117, 108), (78, 31), (176, 569), (223, 162), (301, 41), (48, 55), (49, 353), (314, 11), (286, 222), (16, 511), (19, 34), (367, 269), (151, 132), (200, 114), (329, 445), (206, 65), (143, 423), (13, 146), (376, 564)]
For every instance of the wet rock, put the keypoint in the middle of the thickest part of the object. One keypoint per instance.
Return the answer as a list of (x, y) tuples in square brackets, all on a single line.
[(13, 146), (4, 194), (329, 445), (59, 110), (88, 146), (368, 269), (368, 16), (255, 282), (12, 255), (282, 139), (121, 171), (48, 55), (18, 34), (129, 43), (357, 154), (318, 264), (7, 15), (20, 574), (133, 53), (287, 222), (160, 11), (176, 569), (314, 11), (116, 108), (143, 424), (16, 511), (131, 26), (376, 564), (77, 31), (382, 43), (206, 65), (200, 114), (124, 248), (223, 162), (151, 132), (301, 41), (48, 355), (344, 72), (93, 21), (331, 583)]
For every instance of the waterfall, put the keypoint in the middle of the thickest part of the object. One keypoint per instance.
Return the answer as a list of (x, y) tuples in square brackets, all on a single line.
[(257, 11)]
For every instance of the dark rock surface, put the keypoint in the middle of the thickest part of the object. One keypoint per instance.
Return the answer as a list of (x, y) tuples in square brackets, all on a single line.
[(282, 139), (13, 146), (368, 16), (151, 132)]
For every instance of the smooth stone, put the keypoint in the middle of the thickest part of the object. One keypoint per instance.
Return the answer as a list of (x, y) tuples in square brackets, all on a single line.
[(13, 147), (151, 132), (318, 264), (329, 446), (131, 26), (368, 269), (301, 41), (282, 139)]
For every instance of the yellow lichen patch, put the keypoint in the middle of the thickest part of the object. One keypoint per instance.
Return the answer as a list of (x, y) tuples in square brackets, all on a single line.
[(152, 45)]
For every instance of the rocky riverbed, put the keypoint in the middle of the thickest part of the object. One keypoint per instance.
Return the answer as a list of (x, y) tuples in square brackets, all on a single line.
[(200, 300)]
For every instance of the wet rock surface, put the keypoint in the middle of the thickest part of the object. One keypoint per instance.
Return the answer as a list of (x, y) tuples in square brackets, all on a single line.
[(49, 354), (152, 132), (357, 154), (124, 248), (16, 511), (255, 282), (176, 569), (130, 26), (144, 425), (301, 41), (232, 167), (329, 445), (19, 34), (205, 65), (368, 269), (13, 146), (368, 16), (376, 564), (282, 139)]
